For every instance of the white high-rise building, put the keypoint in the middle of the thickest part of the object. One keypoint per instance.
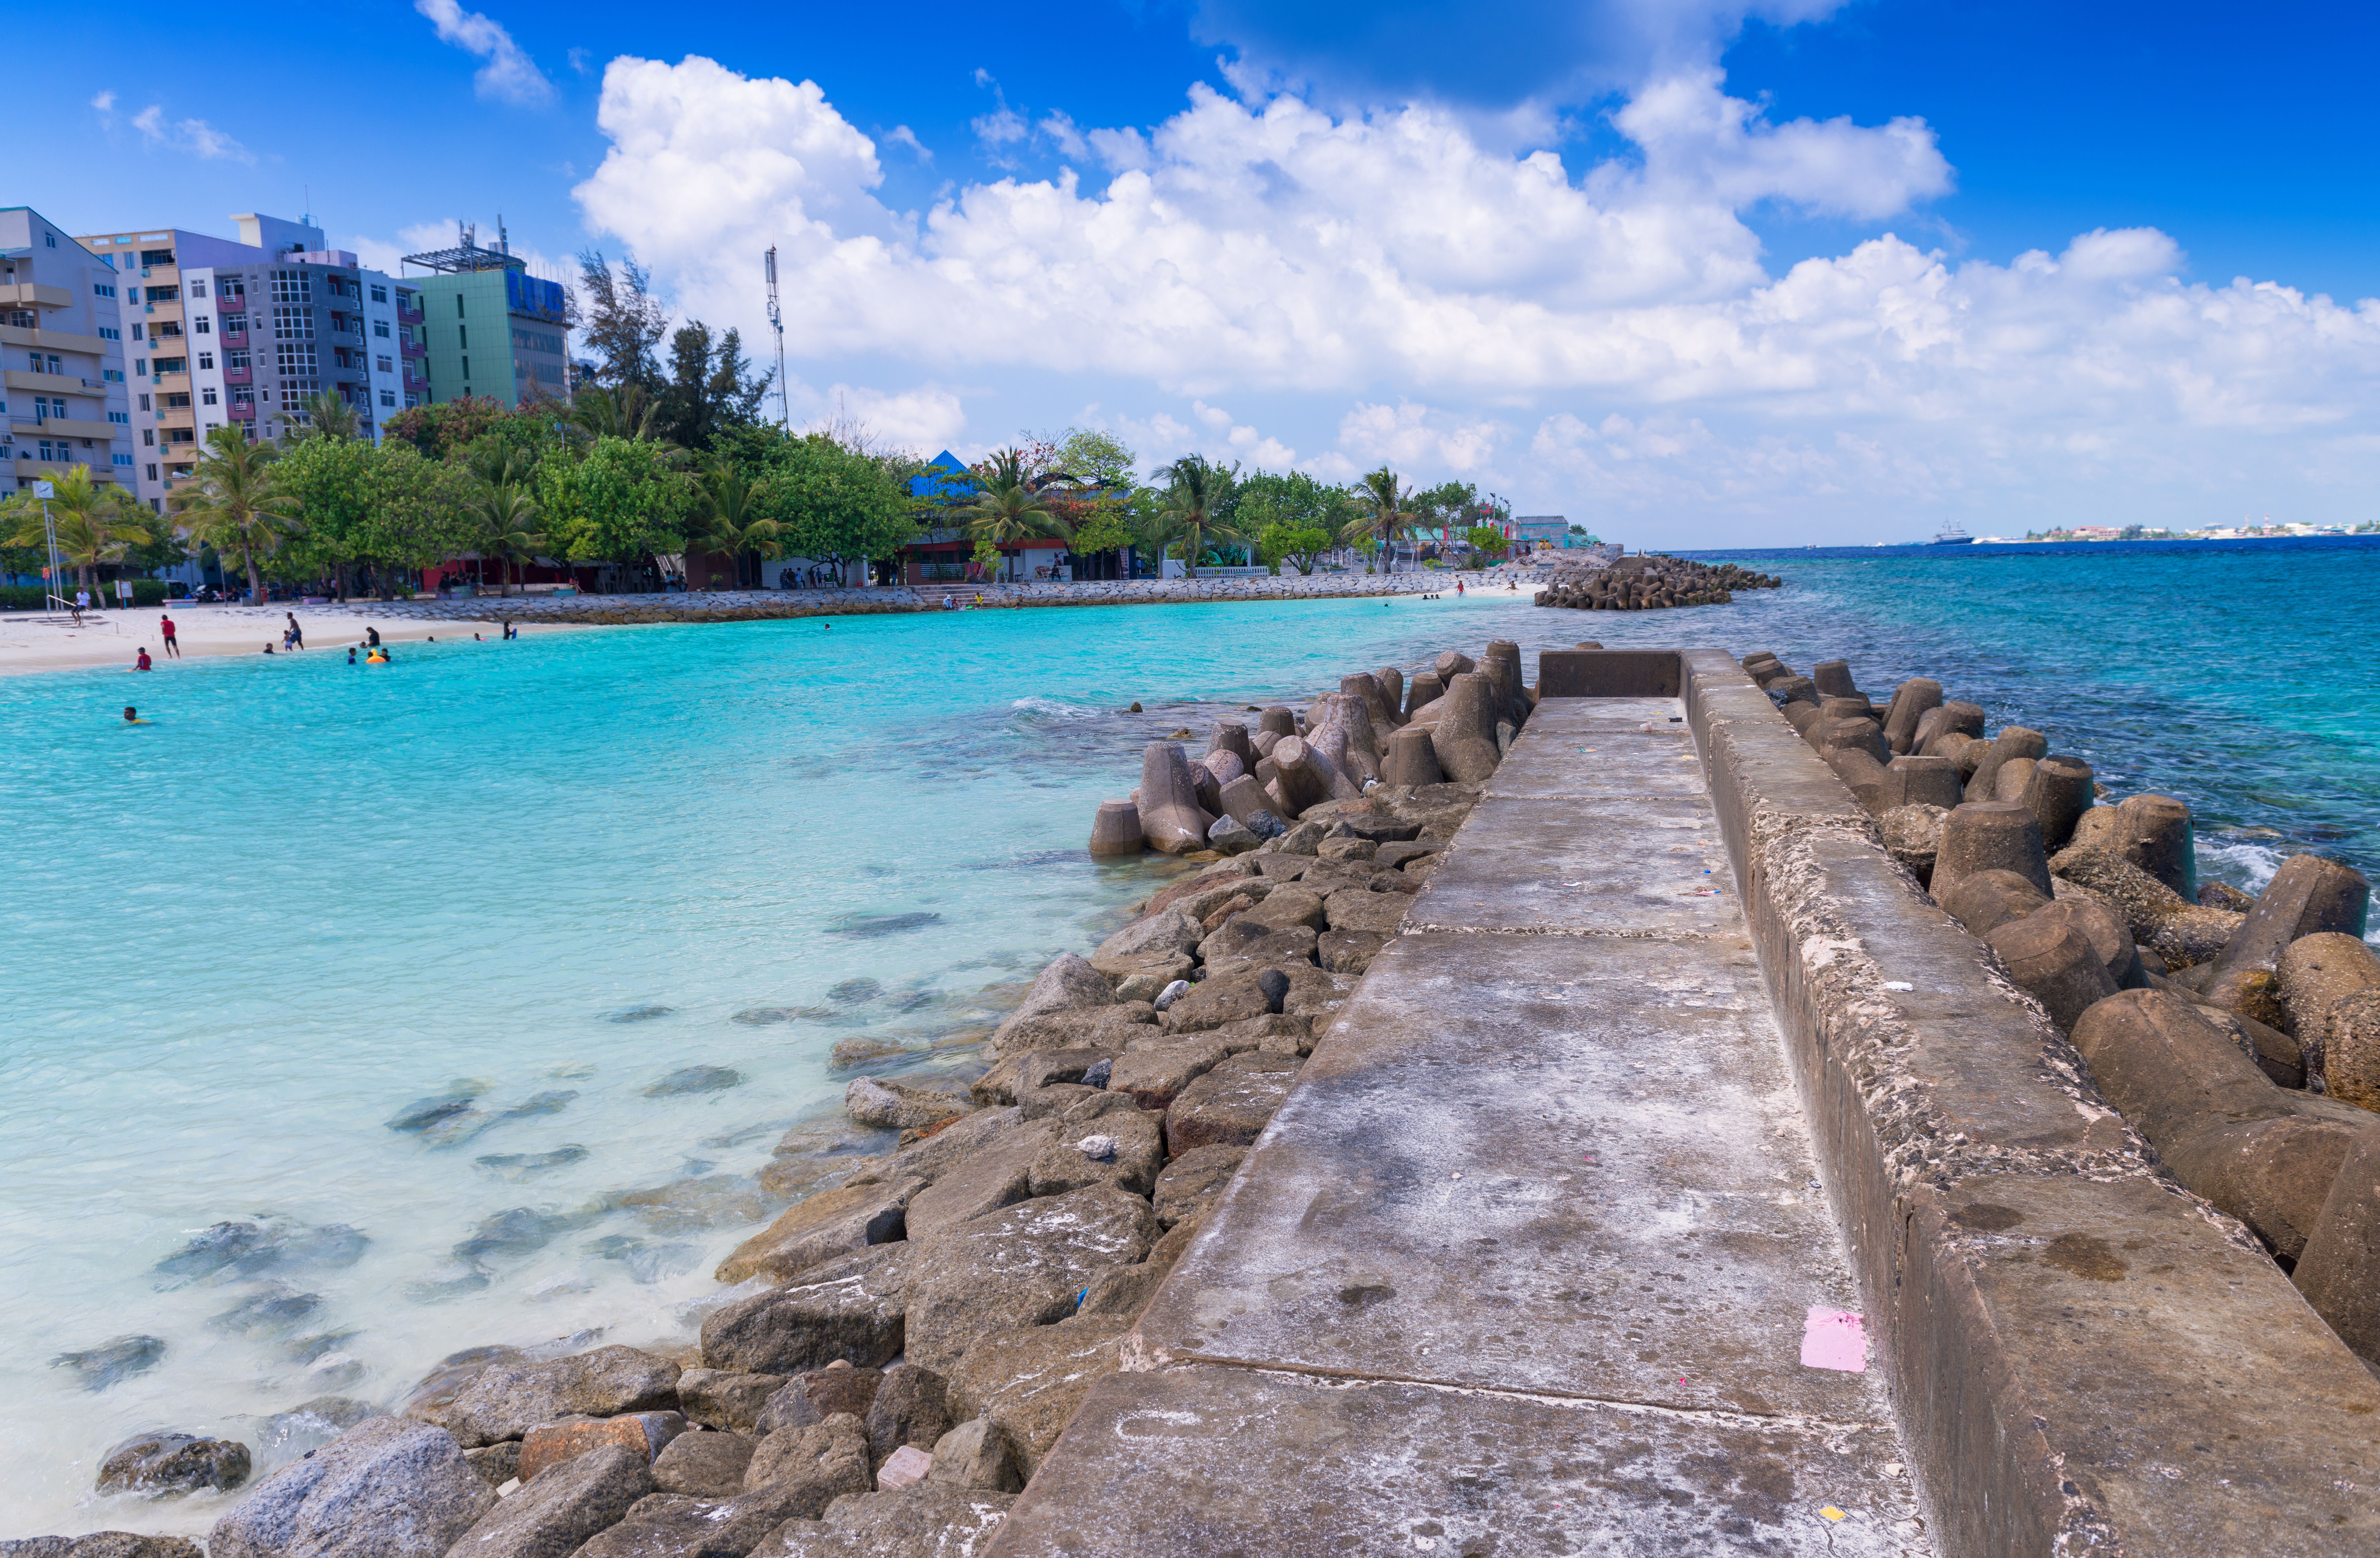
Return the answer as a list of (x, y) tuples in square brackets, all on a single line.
[(62, 398), (243, 332)]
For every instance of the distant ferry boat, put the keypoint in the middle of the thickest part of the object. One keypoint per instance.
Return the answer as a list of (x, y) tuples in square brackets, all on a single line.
[(1953, 535)]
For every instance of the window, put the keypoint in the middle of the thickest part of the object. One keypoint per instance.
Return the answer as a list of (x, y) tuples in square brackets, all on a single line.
[(58, 364), (155, 256), (206, 360), (411, 401), (172, 365), (136, 332), (388, 398), (467, 370), (198, 325), (380, 293), (168, 330), (165, 294), (109, 332), (207, 394), (122, 418), (292, 287), (380, 328), (459, 305), (104, 288), (463, 336), (112, 375), (141, 367), (174, 402), (125, 460), (292, 324), (295, 357), (47, 451), (144, 403), (384, 365), (58, 406), (152, 472), (198, 289), (236, 362), (148, 436)]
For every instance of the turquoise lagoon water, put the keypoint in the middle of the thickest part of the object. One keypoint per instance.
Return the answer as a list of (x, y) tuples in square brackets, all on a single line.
[(549, 875)]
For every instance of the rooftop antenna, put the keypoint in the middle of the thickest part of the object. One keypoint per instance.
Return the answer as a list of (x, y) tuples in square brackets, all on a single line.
[(777, 323), (503, 239)]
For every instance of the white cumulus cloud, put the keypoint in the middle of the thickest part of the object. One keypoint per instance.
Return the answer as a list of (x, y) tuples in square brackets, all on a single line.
[(1498, 314), (196, 136), (509, 74)]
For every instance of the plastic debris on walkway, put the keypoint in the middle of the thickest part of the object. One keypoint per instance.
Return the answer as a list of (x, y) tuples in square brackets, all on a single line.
[(1834, 1339)]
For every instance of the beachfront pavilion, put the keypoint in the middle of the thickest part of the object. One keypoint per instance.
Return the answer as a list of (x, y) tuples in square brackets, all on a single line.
[(946, 555)]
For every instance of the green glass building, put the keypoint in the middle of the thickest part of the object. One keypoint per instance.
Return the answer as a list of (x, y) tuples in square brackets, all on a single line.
[(487, 326)]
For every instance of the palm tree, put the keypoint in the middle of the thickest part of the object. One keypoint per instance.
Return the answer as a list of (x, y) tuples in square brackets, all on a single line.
[(1006, 508), (506, 517), (730, 527), (1195, 489), (94, 527), (329, 415), (1384, 515), (235, 505), (629, 411)]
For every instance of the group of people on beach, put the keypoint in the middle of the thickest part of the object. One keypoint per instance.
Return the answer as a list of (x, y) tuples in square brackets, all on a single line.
[(292, 639)]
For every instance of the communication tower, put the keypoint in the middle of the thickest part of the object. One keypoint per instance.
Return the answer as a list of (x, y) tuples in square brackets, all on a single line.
[(777, 323)]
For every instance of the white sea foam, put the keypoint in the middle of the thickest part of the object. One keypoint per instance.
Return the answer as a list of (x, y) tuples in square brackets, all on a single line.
[(2244, 863)]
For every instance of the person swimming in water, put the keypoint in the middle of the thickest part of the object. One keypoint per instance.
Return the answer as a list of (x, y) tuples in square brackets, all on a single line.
[(379, 656), (132, 715), (351, 654), (142, 663)]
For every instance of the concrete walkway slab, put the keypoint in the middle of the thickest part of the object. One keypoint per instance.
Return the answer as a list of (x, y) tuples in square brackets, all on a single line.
[(1526, 1262), (1232, 1462)]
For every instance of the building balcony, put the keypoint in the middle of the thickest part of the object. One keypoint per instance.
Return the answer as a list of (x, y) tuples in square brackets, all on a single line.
[(234, 337), (239, 375), (177, 416), (416, 384), (32, 295), (411, 347), (171, 384), (163, 313), (56, 340), (54, 384), (242, 410), (77, 427), (407, 316)]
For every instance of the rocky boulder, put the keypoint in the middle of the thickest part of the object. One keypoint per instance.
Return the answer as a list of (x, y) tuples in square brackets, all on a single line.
[(853, 1309), (552, 1515), (1232, 1105), (978, 1453), (1193, 1181), (830, 1224), (706, 1466), (508, 1399), (724, 1399), (550, 1445), (1069, 984), (889, 1105), (818, 1462), (1021, 1266), (387, 1488), (837, 1390), (1028, 1381), (167, 1463)]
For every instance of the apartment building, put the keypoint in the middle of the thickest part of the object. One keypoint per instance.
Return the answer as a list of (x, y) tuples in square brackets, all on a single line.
[(64, 399), (244, 332), (489, 328)]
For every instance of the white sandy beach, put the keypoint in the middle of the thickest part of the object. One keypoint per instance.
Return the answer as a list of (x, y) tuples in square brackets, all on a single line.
[(29, 642)]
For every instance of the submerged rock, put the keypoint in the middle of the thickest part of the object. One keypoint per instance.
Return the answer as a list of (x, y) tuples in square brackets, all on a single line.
[(278, 1307), (169, 1463), (517, 1165), (695, 1079), (869, 927), (506, 1399), (895, 1105), (852, 993), (641, 1014), (250, 1246), (111, 1361)]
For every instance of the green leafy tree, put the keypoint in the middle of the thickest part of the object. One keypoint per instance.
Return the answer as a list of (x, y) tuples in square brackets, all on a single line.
[(324, 414), (1384, 511), (1091, 455), (1197, 491), (326, 483), (1006, 507), (832, 503), (448, 427), (417, 513), (1486, 540), (1286, 542), (621, 501), (731, 514), (711, 390), (623, 321), (234, 503), (95, 525)]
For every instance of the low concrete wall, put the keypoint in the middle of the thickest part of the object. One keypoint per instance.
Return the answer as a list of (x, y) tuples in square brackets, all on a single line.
[(2083, 1357)]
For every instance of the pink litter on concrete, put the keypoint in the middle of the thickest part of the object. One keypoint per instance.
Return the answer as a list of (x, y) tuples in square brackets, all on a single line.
[(904, 1465), (1834, 1339)]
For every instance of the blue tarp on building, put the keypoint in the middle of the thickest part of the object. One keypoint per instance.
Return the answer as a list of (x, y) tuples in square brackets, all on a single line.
[(948, 479)]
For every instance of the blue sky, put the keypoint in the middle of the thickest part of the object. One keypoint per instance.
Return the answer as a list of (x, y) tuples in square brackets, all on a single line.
[(1339, 250)]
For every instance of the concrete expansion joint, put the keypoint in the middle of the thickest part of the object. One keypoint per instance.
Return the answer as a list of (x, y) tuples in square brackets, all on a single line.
[(1327, 1379), (1571, 933)]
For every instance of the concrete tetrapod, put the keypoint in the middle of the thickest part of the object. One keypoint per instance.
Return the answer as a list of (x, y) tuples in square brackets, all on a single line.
[(1377, 709), (2330, 985), (2156, 837), (1170, 818), (1502, 665), (1230, 736), (1990, 835), (2339, 1270), (1412, 760), (1956, 717), (2308, 896), (2054, 963), (1422, 692), (1984, 901), (1465, 736), (1912, 700), (1451, 664), (1244, 797), (1392, 691), (1224, 765), (1304, 776), (1834, 678), (1278, 720), (1116, 829), (2057, 792), (1922, 781), (2013, 742)]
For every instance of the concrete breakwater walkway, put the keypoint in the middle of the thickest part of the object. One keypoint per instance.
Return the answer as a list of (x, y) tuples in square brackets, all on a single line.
[(1535, 1258), (755, 605)]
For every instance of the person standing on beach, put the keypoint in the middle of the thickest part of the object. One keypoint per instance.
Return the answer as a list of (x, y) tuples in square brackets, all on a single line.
[(173, 645), (296, 634)]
